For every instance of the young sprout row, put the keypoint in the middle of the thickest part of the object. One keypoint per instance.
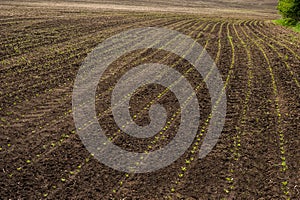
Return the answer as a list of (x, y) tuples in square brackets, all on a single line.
[(195, 148), (161, 135), (280, 133), (242, 119), (67, 113), (53, 145)]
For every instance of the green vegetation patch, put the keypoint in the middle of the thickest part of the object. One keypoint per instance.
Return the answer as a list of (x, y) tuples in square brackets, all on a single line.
[(290, 11), (288, 22)]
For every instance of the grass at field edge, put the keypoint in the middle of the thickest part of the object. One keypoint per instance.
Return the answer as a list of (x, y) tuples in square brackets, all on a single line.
[(286, 23)]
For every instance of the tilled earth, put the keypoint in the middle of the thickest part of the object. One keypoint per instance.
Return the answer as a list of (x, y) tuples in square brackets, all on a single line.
[(256, 157)]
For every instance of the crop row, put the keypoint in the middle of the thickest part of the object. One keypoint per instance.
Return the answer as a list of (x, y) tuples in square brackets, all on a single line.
[(50, 130), (192, 157), (56, 35), (56, 61), (280, 133), (116, 134), (162, 134), (63, 97), (31, 161)]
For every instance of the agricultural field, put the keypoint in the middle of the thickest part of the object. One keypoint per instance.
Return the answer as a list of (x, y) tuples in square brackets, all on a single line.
[(42, 157)]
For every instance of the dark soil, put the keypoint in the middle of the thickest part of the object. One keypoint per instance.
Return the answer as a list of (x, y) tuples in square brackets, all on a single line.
[(42, 156)]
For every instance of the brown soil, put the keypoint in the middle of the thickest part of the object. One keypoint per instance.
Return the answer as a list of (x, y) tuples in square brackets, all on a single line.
[(256, 157), (231, 8)]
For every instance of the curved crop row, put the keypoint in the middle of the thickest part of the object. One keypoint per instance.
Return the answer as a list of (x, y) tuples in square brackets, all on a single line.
[(280, 133), (63, 137), (115, 135), (32, 87), (242, 119), (183, 169), (161, 135)]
